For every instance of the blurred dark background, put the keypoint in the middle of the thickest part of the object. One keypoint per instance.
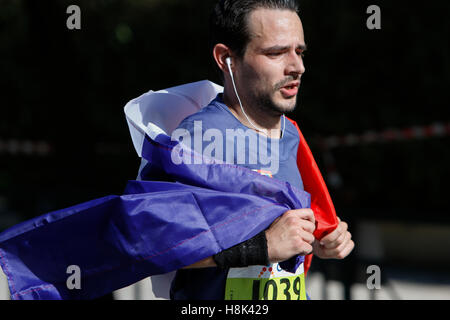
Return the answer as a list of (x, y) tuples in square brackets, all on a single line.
[(64, 137)]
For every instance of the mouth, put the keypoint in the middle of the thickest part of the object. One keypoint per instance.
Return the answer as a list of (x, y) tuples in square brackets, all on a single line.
[(290, 90)]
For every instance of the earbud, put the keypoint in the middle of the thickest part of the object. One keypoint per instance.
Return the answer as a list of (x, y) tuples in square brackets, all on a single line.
[(228, 61)]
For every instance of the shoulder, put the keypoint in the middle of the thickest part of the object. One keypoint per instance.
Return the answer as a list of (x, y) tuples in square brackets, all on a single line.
[(214, 115)]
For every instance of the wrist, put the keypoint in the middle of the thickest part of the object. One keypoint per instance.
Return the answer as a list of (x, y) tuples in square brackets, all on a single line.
[(248, 253)]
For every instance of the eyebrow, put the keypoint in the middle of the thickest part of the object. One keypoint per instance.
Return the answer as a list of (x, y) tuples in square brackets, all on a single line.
[(302, 47)]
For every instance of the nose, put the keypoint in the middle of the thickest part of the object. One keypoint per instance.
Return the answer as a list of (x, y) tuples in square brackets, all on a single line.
[(295, 67)]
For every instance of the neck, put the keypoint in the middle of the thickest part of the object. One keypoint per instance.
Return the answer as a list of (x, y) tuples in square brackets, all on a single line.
[(266, 123)]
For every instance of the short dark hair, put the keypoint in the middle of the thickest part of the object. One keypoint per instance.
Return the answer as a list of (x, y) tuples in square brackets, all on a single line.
[(228, 21)]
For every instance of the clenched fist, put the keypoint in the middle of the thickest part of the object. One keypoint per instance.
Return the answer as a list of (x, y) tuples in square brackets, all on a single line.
[(290, 235), (336, 245)]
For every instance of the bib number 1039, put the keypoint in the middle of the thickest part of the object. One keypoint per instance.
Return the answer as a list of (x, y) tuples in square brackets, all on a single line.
[(278, 289), (285, 288)]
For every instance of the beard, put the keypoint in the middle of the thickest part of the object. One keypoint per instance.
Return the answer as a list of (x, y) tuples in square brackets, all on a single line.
[(265, 99)]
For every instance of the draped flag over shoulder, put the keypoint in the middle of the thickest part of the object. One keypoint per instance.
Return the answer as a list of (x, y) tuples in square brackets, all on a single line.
[(156, 226)]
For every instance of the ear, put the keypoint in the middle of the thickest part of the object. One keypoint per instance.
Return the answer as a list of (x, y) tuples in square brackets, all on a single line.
[(220, 53)]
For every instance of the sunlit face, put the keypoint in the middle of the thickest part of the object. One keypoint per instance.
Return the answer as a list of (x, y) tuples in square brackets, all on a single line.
[(269, 73)]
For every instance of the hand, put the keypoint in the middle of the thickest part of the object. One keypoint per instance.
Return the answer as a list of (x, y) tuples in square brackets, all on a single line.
[(290, 235), (336, 245)]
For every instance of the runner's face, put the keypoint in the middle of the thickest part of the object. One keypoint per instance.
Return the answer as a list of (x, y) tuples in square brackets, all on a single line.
[(269, 73)]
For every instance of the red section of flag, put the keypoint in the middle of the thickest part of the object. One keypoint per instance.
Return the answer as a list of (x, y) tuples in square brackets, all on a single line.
[(321, 203)]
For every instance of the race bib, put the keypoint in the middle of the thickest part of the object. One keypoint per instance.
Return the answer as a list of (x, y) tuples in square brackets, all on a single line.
[(265, 283)]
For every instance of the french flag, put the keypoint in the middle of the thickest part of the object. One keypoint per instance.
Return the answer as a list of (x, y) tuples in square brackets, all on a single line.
[(156, 227)]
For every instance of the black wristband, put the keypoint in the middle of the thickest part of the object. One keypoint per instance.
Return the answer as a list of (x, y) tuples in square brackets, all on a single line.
[(248, 253)]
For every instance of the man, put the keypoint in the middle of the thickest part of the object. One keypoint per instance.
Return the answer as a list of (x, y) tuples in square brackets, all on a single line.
[(258, 45), (181, 214)]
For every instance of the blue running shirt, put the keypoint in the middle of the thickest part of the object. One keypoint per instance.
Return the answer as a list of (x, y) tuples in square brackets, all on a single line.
[(216, 132)]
